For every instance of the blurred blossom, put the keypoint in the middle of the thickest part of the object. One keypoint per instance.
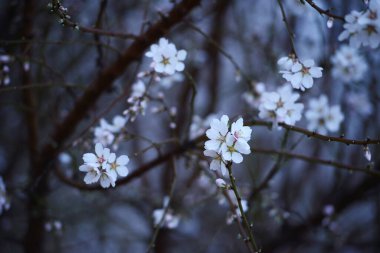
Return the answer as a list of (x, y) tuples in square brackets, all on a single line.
[(165, 217), (363, 28), (53, 226), (168, 81), (4, 201), (348, 65), (64, 158), (254, 100), (322, 117), (360, 103), (281, 106), (137, 101)]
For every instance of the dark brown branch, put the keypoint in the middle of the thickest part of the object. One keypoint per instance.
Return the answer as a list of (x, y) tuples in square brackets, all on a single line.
[(316, 135)]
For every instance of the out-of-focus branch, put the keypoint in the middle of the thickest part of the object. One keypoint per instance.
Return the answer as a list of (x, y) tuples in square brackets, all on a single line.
[(290, 32), (322, 11), (108, 75), (64, 18)]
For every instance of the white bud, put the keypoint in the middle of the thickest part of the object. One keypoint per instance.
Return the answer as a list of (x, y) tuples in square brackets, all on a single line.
[(221, 183), (26, 66), (367, 153), (330, 23)]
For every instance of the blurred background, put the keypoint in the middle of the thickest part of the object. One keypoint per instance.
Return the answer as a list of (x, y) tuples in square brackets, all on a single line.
[(48, 63)]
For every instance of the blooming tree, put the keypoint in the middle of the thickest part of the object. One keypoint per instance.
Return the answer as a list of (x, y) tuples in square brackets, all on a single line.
[(178, 126)]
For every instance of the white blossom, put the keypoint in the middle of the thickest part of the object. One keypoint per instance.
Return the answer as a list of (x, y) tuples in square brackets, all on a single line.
[(322, 117), (348, 65), (198, 125), (363, 28), (217, 133), (227, 144), (281, 106), (118, 165), (103, 166), (301, 74), (137, 101), (217, 163), (166, 58)]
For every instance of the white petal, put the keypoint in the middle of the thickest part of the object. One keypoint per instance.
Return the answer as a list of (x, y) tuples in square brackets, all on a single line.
[(122, 160), (122, 171)]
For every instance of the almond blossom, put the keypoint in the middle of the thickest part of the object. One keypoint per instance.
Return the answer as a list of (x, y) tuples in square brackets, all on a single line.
[(348, 65), (322, 117), (227, 144), (301, 74), (281, 106), (103, 166), (166, 58), (363, 28)]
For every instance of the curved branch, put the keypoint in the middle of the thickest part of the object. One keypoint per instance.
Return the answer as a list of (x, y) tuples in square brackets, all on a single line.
[(324, 12)]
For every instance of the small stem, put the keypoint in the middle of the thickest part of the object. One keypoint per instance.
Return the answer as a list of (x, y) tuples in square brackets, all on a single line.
[(291, 34), (244, 218)]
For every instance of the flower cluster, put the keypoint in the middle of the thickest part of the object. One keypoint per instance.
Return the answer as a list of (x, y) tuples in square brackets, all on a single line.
[(299, 74), (363, 28), (166, 58), (322, 117), (103, 166), (165, 217), (4, 203), (281, 106), (4, 69), (348, 65), (105, 132), (227, 144), (137, 101)]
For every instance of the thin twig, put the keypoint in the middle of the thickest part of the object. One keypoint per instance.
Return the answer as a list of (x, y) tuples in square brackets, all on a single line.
[(291, 34), (243, 216), (324, 12)]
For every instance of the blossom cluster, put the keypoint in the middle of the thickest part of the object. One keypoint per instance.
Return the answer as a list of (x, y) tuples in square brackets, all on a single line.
[(137, 101), (322, 117), (299, 73), (105, 132), (363, 28), (4, 203), (103, 166), (281, 106), (348, 65), (227, 143), (166, 58)]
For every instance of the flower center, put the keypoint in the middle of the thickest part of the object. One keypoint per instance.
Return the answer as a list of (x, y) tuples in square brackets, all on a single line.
[(165, 61)]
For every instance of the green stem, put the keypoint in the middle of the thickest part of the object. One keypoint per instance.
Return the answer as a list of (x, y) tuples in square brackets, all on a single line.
[(243, 216)]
